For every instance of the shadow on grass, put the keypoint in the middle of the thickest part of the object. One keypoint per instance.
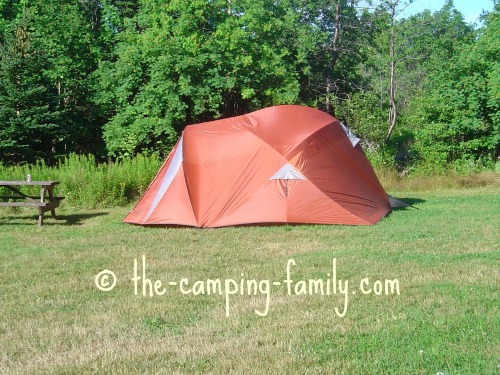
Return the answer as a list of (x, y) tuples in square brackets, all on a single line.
[(411, 203), (76, 219)]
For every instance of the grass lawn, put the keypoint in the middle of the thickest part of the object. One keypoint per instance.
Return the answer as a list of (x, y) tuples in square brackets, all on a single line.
[(444, 256)]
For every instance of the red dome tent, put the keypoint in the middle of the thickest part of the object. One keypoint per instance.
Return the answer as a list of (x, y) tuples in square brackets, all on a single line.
[(284, 164)]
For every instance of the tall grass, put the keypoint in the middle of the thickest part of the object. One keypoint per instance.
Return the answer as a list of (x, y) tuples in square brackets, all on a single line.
[(394, 182), (85, 183)]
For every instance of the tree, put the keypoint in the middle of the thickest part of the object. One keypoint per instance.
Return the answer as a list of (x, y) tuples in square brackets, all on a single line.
[(333, 31), (30, 125), (184, 62), (72, 53), (391, 51), (64, 36), (457, 121), (9, 10)]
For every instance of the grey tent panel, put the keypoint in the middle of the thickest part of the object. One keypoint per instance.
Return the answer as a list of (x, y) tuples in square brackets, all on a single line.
[(396, 203)]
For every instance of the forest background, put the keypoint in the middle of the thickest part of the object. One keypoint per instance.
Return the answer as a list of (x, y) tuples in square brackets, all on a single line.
[(111, 79)]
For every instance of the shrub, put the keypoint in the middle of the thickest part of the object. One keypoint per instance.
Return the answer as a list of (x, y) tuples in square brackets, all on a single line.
[(86, 183)]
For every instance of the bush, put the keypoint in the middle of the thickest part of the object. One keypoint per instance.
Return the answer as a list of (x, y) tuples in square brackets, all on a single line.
[(85, 183)]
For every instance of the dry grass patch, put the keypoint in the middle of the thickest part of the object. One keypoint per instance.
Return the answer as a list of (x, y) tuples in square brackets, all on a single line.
[(393, 182)]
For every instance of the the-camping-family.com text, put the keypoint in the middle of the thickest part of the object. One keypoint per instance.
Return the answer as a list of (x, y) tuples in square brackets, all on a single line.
[(338, 289)]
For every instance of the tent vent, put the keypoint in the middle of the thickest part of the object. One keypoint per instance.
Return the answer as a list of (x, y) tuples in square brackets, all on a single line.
[(354, 140), (287, 172)]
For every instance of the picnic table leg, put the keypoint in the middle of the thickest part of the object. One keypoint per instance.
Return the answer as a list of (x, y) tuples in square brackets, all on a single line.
[(51, 199), (40, 209), (40, 217)]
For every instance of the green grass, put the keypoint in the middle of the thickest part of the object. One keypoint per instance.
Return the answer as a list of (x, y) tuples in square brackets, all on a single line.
[(445, 254)]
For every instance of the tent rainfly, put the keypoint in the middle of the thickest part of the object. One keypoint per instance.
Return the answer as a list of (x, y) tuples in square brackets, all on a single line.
[(283, 164)]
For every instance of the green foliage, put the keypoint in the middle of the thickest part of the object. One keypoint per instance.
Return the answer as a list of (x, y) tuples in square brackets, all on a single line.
[(30, 120), (365, 113), (70, 45), (382, 160), (330, 33), (85, 183), (122, 77), (48, 53), (456, 122), (194, 61), (403, 52)]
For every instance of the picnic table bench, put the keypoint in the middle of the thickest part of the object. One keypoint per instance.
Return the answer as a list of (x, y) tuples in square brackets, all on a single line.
[(45, 202)]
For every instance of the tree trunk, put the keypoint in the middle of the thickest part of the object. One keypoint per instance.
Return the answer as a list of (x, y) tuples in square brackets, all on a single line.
[(332, 61), (393, 110), (328, 103)]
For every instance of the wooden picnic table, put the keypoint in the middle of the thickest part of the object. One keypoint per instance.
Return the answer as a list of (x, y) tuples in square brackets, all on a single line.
[(46, 201)]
